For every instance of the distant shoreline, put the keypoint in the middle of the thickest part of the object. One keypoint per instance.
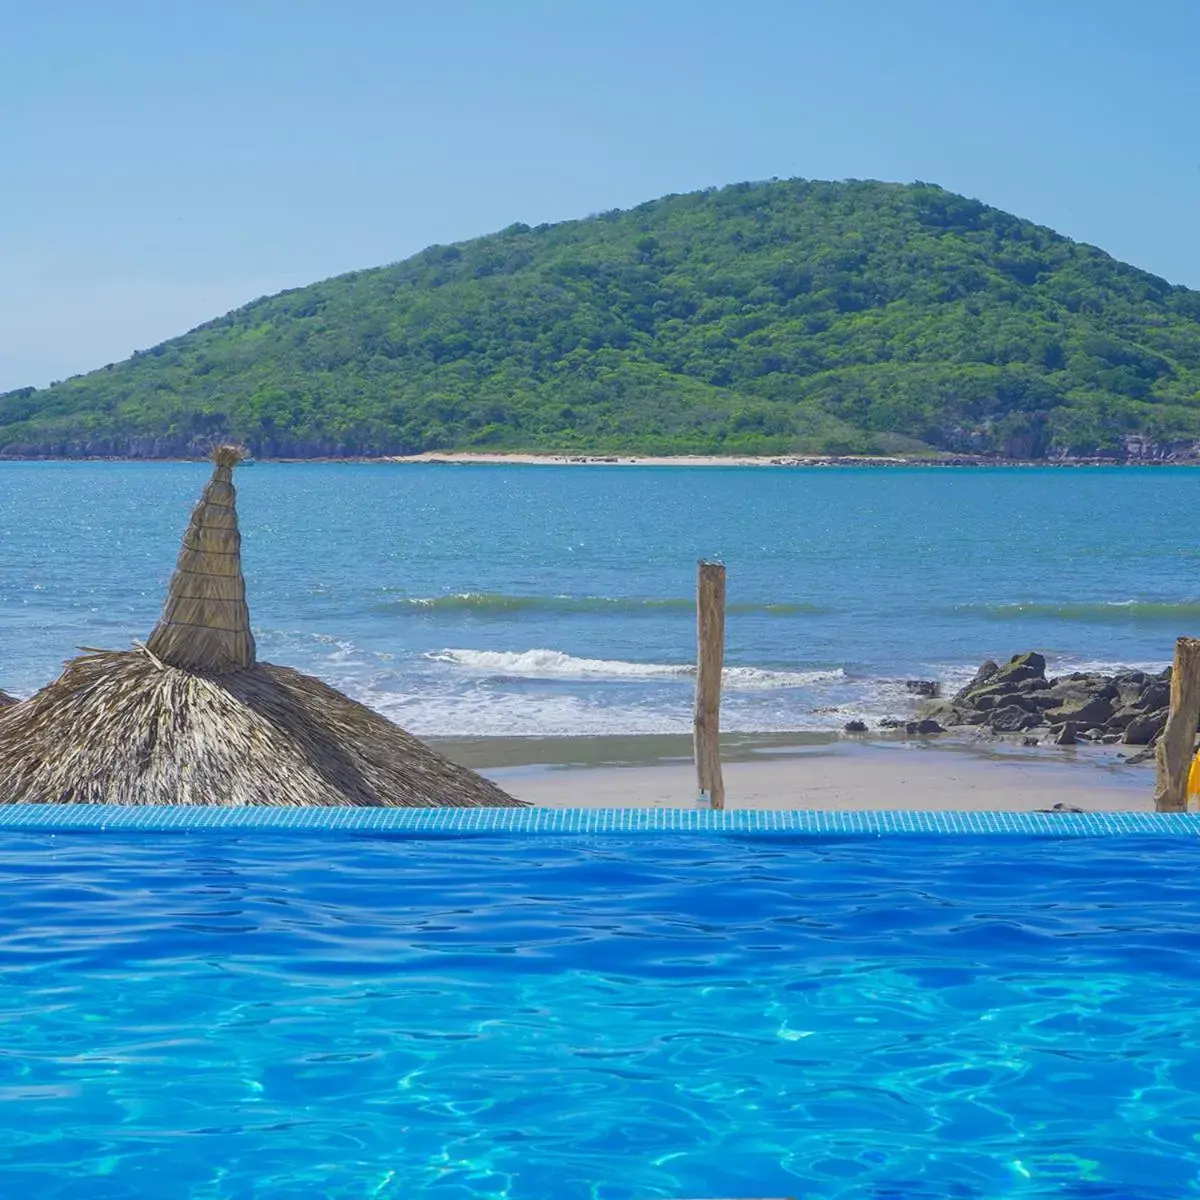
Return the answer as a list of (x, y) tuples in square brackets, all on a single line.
[(470, 458), (517, 459)]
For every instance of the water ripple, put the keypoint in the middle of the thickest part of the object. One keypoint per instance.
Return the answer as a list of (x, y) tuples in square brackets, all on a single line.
[(214, 1016)]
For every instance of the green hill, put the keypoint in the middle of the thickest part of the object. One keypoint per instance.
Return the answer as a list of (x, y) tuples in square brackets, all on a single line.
[(772, 317)]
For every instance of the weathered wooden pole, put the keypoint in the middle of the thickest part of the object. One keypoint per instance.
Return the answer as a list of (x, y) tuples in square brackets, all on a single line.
[(710, 659), (1178, 741)]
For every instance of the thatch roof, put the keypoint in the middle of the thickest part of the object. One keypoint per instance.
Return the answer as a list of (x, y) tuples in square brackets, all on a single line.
[(191, 718), (205, 623)]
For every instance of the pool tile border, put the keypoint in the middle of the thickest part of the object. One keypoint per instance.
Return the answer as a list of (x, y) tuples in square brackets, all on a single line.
[(450, 821)]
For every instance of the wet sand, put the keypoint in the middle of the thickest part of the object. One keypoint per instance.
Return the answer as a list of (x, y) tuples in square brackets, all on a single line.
[(819, 772)]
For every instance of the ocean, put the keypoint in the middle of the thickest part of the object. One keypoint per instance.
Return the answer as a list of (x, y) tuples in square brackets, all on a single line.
[(545, 600)]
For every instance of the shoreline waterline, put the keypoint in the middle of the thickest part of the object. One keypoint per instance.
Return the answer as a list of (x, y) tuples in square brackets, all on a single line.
[(472, 458), (598, 459)]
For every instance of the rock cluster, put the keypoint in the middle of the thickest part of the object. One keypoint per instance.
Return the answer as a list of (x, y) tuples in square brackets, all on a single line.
[(1130, 707), (1018, 698)]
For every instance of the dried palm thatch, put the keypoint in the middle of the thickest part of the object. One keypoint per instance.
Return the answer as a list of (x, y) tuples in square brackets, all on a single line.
[(191, 718), (117, 727), (205, 623)]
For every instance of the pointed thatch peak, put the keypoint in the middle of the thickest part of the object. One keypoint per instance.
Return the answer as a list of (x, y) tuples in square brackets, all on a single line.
[(205, 625)]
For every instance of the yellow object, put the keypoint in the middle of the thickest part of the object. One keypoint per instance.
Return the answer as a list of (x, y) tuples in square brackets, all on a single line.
[(1194, 777)]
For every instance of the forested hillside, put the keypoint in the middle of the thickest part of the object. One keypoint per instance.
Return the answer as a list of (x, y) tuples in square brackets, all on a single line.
[(773, 317)]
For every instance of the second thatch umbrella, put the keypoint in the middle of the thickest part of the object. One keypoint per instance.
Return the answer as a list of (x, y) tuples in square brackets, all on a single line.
[(193, 718)]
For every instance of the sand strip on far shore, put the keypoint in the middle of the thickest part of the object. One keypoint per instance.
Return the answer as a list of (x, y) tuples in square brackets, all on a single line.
[(467, 458), (852, 775)]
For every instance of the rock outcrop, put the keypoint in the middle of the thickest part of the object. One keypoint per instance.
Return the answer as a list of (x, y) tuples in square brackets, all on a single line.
[(1018, 697)]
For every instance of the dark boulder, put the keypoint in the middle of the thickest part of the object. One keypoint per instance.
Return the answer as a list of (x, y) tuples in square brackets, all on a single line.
[(1064, 734), (922, 728), (993, 692), (1138, 677), (972, 699), (1130, 685), (1029, 665), (1013, 719), (1154, 696), (944, 711), (1091, 710), (891, 723), (985, 672), (1121, 718), (1033, 685), (1081, 684), (1087, 681), (855, 727), (923, 687), (1029, 701), (1145, 729), (1065, 692)]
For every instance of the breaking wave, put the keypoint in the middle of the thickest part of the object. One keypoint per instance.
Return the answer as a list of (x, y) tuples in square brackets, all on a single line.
[(556, 664)]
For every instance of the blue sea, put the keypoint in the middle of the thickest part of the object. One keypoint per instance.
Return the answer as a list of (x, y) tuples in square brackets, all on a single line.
[(544, 600), (622, 1017)]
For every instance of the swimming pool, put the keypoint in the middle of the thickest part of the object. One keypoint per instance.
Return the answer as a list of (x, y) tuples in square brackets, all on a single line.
[(612, 1016)]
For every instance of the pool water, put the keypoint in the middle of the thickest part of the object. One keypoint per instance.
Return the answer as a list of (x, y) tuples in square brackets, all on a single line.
[(617, 1017)]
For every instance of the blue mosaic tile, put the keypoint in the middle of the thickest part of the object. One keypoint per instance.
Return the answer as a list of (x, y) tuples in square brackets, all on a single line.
[(450, 821)]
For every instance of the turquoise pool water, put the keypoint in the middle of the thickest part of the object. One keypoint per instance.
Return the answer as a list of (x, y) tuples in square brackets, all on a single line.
[(598, 1017)]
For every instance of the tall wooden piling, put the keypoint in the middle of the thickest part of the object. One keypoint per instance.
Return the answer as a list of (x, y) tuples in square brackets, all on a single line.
[(1178, 742), (710, 660)]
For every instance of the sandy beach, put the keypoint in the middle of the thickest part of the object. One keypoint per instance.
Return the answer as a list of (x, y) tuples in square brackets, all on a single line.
[(467, 458), (471, 457), (822, 773)]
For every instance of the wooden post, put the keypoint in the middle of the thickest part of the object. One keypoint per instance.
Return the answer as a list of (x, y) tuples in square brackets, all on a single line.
[(1178, 741), (710, 659)]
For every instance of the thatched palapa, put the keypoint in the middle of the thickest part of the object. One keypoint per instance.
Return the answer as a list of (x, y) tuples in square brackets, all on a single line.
[(192, 718)]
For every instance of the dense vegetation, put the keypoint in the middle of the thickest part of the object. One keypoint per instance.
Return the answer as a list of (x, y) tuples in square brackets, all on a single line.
[(771, 317)]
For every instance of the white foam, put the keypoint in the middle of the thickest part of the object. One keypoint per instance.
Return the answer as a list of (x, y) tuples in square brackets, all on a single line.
[(491, 715), (537, 663), (1068, 666), (486, 712), (759, 677), (459, 692), (542, 663)]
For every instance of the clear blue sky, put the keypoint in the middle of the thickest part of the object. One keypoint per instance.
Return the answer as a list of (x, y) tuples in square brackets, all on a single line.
[(163, 162)]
